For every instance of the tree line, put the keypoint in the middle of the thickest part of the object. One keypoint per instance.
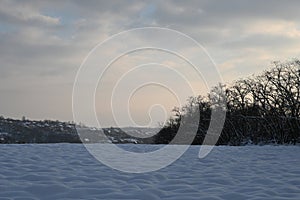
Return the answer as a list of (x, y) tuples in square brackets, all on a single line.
[(261, 109)]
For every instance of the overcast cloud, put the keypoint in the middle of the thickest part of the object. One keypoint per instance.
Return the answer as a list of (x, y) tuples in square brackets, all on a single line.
[(42, 44)]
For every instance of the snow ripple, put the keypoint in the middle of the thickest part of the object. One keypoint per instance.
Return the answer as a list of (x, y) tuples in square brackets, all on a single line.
[(67, 171)]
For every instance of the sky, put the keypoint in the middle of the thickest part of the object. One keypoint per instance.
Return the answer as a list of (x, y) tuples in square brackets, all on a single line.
[(43, 44)]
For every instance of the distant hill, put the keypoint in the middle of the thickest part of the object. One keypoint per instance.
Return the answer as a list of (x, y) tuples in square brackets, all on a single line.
[(14, 131)]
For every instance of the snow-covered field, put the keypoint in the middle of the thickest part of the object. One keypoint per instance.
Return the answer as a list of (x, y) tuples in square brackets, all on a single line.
[(68, 171)]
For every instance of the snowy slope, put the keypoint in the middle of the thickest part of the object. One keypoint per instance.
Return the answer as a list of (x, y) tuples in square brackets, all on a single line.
[(67, 171)]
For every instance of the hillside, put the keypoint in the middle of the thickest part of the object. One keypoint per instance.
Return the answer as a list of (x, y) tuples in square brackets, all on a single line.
[(47, 131)]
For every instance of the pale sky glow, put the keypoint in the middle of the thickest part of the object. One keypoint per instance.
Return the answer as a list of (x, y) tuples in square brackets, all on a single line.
[(42, 45)]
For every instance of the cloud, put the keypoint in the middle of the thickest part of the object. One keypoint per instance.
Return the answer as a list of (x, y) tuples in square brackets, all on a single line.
[(22, 13), (44, 42)]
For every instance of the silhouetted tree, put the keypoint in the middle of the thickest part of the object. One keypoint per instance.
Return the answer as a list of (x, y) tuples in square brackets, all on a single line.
[(260, 109)]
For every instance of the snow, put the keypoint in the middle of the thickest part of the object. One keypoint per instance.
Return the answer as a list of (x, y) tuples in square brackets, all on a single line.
[(67, 171)]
